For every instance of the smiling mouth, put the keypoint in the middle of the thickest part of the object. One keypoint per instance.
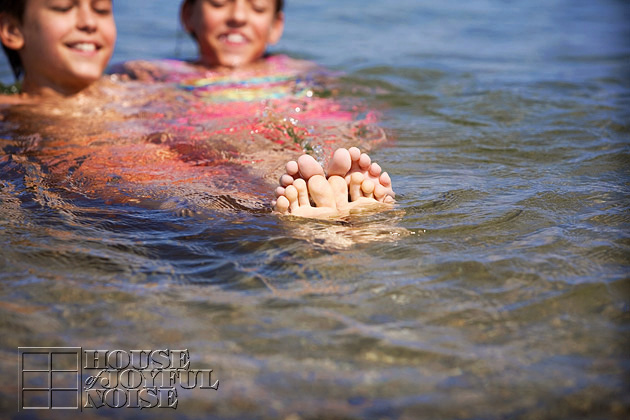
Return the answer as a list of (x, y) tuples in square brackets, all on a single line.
[(234, 38), (84, 46)]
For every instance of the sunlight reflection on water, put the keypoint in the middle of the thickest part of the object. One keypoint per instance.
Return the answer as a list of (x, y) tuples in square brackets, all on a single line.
[(497, 287)]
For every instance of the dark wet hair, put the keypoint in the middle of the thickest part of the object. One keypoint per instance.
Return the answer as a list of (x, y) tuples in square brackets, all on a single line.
[(279, 4), (14, 8)]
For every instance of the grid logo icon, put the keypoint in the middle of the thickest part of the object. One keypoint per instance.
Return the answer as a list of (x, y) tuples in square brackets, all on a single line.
[(49, 378)]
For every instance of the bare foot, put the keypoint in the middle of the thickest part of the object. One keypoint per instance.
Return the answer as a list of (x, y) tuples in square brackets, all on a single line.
[(305, 168), (353, 183), (296, 198), (346, 162)]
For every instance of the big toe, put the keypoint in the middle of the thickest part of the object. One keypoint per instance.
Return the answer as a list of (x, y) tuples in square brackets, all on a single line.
[(309, 167), (340, 163), (340, 191), (321, 192)]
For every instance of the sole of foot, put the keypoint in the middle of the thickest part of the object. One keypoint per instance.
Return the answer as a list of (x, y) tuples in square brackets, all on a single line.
[(354, 183)]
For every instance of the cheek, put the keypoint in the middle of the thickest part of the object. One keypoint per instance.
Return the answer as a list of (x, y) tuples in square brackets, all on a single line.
[(48, 31), (209, 25), (110, 33), (263, 27), (43, 38), (207, 21)]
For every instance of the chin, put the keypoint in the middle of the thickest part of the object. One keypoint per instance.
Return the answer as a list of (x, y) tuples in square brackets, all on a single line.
[(231, 63), (90, 73), (90, 77), (234, 61)]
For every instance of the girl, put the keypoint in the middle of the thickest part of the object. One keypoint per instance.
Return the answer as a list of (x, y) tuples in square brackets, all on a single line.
[(60, 46)]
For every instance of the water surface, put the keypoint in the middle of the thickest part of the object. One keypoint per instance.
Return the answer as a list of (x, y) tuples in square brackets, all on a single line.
[(497, 288)]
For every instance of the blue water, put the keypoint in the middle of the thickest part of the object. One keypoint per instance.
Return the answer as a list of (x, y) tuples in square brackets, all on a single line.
[(497, 288)]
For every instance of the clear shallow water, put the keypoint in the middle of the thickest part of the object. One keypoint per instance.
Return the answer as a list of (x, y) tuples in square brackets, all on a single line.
[(509, 297)]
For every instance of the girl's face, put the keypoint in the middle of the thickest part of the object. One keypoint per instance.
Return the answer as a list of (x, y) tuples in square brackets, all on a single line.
[(232, 33), (65, 45)]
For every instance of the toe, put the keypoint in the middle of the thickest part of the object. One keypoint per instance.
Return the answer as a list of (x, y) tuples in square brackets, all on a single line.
[(308, 167), (340, 163), (321, 192), (355, 153), (375, 170), (286, 180), (281, 205), (364, 162), (356, 179), (385, 180), (380, 192), (292, 168), (292, 196), (367, 188), (302, 192), (340, 190)]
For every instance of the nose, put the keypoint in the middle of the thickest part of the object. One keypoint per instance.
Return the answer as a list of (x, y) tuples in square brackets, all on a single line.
[(86, 19), (238, 11)]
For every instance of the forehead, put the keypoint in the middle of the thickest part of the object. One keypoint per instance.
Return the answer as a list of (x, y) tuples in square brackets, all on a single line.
[(277, 3), (41, 3)]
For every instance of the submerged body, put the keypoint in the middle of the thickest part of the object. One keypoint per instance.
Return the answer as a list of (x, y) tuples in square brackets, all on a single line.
[(188, 134)]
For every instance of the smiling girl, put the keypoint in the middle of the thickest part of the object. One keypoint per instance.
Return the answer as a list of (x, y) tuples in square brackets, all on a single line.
[(232, 37), (232, 33), (60, 47)]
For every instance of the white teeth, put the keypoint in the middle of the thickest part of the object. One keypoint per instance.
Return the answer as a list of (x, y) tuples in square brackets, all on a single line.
[(235, 38), (84, 46)]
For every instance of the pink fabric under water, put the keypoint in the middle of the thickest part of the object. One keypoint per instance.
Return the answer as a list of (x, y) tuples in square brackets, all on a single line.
[(187, 130)]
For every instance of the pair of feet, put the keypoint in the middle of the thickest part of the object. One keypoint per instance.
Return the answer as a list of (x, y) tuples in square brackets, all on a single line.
[(351, 182)]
